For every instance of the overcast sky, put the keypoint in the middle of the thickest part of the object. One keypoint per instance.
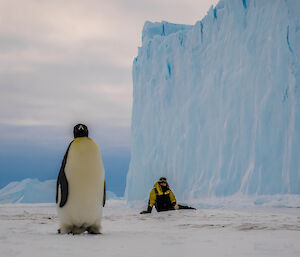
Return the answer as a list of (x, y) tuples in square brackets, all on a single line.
[(68, 61), (63, 62)]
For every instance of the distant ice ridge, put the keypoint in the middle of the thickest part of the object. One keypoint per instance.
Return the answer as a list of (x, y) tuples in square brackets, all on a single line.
[(29, 191), (33, 191), (216, 106)]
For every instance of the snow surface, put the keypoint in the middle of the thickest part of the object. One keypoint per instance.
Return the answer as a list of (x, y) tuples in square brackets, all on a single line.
[(29, 230), (216, 106), (33, 191)]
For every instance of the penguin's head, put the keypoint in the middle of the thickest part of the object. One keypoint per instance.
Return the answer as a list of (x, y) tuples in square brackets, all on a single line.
[(80, 130)]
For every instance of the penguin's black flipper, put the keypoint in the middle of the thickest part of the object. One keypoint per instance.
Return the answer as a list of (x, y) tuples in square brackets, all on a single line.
[(104, 194), (62, 181)]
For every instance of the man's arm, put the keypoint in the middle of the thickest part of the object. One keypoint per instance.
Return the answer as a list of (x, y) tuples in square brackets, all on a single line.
[(151, 202), (173, 200)]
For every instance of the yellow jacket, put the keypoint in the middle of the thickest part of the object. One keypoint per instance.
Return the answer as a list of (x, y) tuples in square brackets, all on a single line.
[(152, 197)]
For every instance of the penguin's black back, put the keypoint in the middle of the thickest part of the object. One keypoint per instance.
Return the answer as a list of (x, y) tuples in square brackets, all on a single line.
[(62, 181)]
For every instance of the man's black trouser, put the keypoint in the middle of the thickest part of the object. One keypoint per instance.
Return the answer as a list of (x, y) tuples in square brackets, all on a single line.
[(171, 208)]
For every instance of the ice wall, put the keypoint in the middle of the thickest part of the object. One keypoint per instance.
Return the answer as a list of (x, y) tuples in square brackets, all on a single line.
[(216, 106)]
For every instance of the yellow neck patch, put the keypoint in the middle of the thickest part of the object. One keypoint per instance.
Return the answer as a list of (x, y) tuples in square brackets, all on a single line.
[(159, 190)]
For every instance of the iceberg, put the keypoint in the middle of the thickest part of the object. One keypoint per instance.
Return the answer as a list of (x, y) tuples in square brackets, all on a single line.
[(34, 191), (216, 105), (29, 191)]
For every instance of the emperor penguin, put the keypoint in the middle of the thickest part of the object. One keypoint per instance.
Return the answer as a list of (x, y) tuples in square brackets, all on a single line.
[(80, 190)]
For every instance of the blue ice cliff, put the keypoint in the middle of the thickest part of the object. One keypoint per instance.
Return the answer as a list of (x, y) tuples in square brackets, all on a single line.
[(216, 106)]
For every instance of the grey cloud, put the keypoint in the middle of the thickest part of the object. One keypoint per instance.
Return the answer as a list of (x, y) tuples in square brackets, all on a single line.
[(12, 43), (54, 135), (68, 61), (64, 92)]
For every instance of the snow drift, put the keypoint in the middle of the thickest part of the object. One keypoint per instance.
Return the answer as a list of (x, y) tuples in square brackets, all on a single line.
[(216, 106)]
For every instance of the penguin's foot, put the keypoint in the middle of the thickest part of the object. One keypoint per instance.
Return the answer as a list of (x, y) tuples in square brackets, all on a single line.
[(69, 229), (94, 230), (78, 230), (64, 229)]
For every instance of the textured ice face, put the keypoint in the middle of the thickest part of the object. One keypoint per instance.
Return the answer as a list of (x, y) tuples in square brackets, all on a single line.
[(216, 106)]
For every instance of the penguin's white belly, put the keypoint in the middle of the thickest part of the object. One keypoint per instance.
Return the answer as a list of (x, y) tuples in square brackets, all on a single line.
[(85, 175)]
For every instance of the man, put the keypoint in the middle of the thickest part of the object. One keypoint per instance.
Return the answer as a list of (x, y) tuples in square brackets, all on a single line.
[(162, 197)]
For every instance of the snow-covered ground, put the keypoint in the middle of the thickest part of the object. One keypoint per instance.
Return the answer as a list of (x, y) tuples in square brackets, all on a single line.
[(30, 230)]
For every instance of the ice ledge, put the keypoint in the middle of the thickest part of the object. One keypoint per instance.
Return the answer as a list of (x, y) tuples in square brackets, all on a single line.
[(164, 28)]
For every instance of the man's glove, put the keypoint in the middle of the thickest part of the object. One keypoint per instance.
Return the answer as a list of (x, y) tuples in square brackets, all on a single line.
[(176, 207), (149, 209), (144, 212)]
